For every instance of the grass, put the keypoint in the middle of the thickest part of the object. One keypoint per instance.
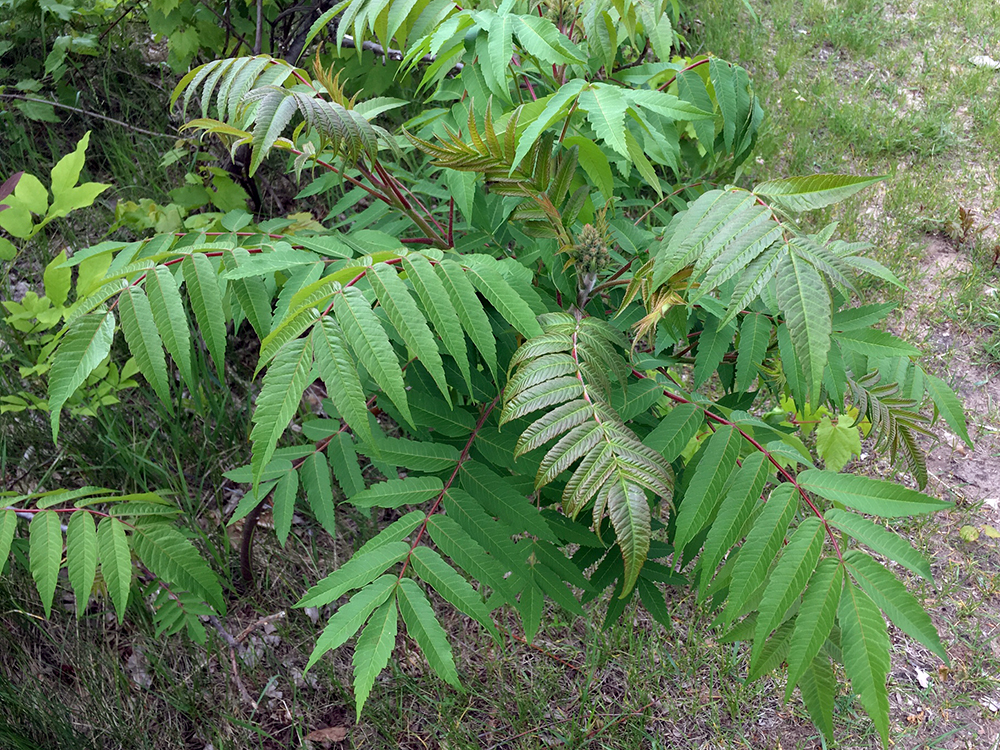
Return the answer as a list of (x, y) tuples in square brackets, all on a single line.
[(857, 86)]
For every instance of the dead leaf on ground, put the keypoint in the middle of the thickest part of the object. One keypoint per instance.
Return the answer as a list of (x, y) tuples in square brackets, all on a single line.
[(328, 734)]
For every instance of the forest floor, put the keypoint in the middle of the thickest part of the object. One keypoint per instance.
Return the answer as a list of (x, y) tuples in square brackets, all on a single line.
[(857, 86)]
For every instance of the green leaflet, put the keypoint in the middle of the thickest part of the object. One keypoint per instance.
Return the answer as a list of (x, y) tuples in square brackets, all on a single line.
[(819, 688), (363, 568), (413, 454), (713, 343), (755, 335), (605, 106), (45, 554), (81, 557), (408, 321), (788, 579), (881, 540), (349, 618), (340, 375), (344, 462), (469, 555), (556, 107), (371, 345), (675, 430), (704, 492), (492, 285), (394, 532), (249, 288), (865, 644), (804, 299), (815, 620), (874, 343), (422, 626), (372, 652), (869, 495), (814, 191), (170, 319), (144, 341), (493, 535), (206, 300), (947, 404), (86, 343), (8, 525), (736, 507), (116, 562), (394, 493), (316, 479), (892, 598), (629, 512), (172, 557), (452, 587), (502, 501), (280, 394), (760, 548), (469, 310), (440, 311), (530, 607), (283, 504)]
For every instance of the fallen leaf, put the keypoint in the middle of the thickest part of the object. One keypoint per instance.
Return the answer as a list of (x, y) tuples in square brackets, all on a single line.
[(985, 61), (328, 734), (991, 532), (923, 678), (968, 533)]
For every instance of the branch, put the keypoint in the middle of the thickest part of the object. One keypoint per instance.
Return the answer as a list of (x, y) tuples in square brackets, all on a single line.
[(88, 113)]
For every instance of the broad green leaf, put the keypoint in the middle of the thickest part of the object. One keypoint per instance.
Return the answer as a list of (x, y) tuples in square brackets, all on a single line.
[(882, 541), (57, 279), (494, 536), (760, 548), (605, 106), (116, 562), (675, 430), (394, 493), (819, 688), (144, 341), (370, 343), (836, 443), (206, 300), (501, 49), (172, 557), (394, 532), (813, 191), (705, 490), (422, 626), (947, 404), (629, 513), (171, 320), (81, 557), (805, 300), (408, 321), (721, 73), (85, 345), (815, 619), (279, 398), (45, 554), (413, 454), (736, 507), (250, 290), (344, 462), (788, 579), (340, 375), (469, 309), (363, 568), (530, 606), (865, 644), (892, 598), (755, 335), (66, 173), (540, 38), (349, 618), (440, 311), (372, 652), (317, 482), (873, 496)]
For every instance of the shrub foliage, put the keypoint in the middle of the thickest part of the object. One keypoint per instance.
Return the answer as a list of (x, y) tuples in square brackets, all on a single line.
[(601, 360)]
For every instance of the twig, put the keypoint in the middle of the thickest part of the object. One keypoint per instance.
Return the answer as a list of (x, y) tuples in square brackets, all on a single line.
[(88, 113)]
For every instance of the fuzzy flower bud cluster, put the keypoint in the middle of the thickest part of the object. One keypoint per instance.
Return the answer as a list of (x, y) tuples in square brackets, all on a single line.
[(591, 252)]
